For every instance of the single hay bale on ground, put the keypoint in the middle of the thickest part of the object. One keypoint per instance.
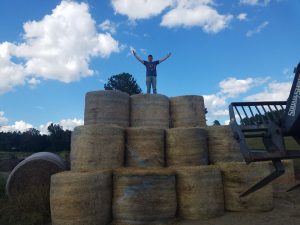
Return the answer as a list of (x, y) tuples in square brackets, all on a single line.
[(108, 107), (222, 147), (200, 192), (239, 177), (150, 110), (144, 196), (186, 147), (79, 198), (187, 111), (34, 173), (285, 181), (97, 147), (145, 147)]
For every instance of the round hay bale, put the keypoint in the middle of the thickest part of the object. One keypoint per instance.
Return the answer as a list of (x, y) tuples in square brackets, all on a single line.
[(97, 147), (186, 147), (150, 110), (143, 196), (239, 177), (285, 181), (187, 111), (222, 147), (145, 147), (81, 198), (33, 174), (109, 107), (200, 192)]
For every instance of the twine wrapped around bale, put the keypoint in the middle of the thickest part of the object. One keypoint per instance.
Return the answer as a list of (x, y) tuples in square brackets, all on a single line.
[(200, 192), (285, 181), (143, 196), (108, 107), (97, 147), (145, 147), (150, 110), (186, 147), (222, 147), (34, 173), (79, 198), (187, 111), (239, 177)]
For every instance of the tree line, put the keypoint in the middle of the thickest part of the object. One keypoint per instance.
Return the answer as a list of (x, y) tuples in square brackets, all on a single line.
[(33, 141)]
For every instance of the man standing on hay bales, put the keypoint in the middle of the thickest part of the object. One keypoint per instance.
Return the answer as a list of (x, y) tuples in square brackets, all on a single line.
[(151, 73)]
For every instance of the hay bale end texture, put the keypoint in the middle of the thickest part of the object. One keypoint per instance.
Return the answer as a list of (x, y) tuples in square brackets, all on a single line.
[(97, 147), (186, 147), (145, 147), (200, 192), (239, 177), (222, 147), (187, 111), (79, 198), (34, 173), (108, 107), (144, 196), (150, 110), (285, 181)]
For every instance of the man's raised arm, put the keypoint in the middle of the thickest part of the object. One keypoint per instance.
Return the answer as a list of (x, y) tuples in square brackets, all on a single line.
[(137, 57), (164, 58)]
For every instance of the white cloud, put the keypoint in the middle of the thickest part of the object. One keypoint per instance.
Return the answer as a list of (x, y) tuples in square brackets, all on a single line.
[(109, 26), (242, 16), (33, 82), (258, 29), (3, 119), (233, 87), (67, 124), (255, 2), (58, 47), (275, 91), (17, 126), (189, 13), (70, 124), (140, 9)]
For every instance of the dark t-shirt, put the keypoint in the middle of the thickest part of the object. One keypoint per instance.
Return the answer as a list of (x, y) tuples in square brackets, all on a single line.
[(151, 68)]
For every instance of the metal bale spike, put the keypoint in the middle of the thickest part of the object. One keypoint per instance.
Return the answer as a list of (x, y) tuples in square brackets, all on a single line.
[(279, 170), (294, 187)]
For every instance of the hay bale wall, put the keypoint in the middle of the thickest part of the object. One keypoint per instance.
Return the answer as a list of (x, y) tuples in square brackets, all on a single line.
[(186, 147), (222, 146), (187, 111), (144, 196), (79, 198), (150, 110), (34, 173), (97, 147), (145, 147), (239, 177), (285, 181), (108, 107), (200, 192)]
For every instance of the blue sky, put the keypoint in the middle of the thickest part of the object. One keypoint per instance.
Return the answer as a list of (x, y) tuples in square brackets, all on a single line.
[(53, 52)]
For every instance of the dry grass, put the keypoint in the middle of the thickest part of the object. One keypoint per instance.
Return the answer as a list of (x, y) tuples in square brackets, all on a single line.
[(28, 209)]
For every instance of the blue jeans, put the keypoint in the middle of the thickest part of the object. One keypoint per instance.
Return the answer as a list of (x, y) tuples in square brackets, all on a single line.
[(151, 81)]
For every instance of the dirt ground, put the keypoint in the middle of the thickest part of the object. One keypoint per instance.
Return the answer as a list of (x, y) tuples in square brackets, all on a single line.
[(286, 212)]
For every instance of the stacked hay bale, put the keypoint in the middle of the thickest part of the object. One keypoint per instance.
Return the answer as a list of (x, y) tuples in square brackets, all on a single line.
[(222, 146), (144, 196), (187, 111), (200, 192), (186, 147), (237, 178), (81, 198), (145, 147), (144, 192)]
